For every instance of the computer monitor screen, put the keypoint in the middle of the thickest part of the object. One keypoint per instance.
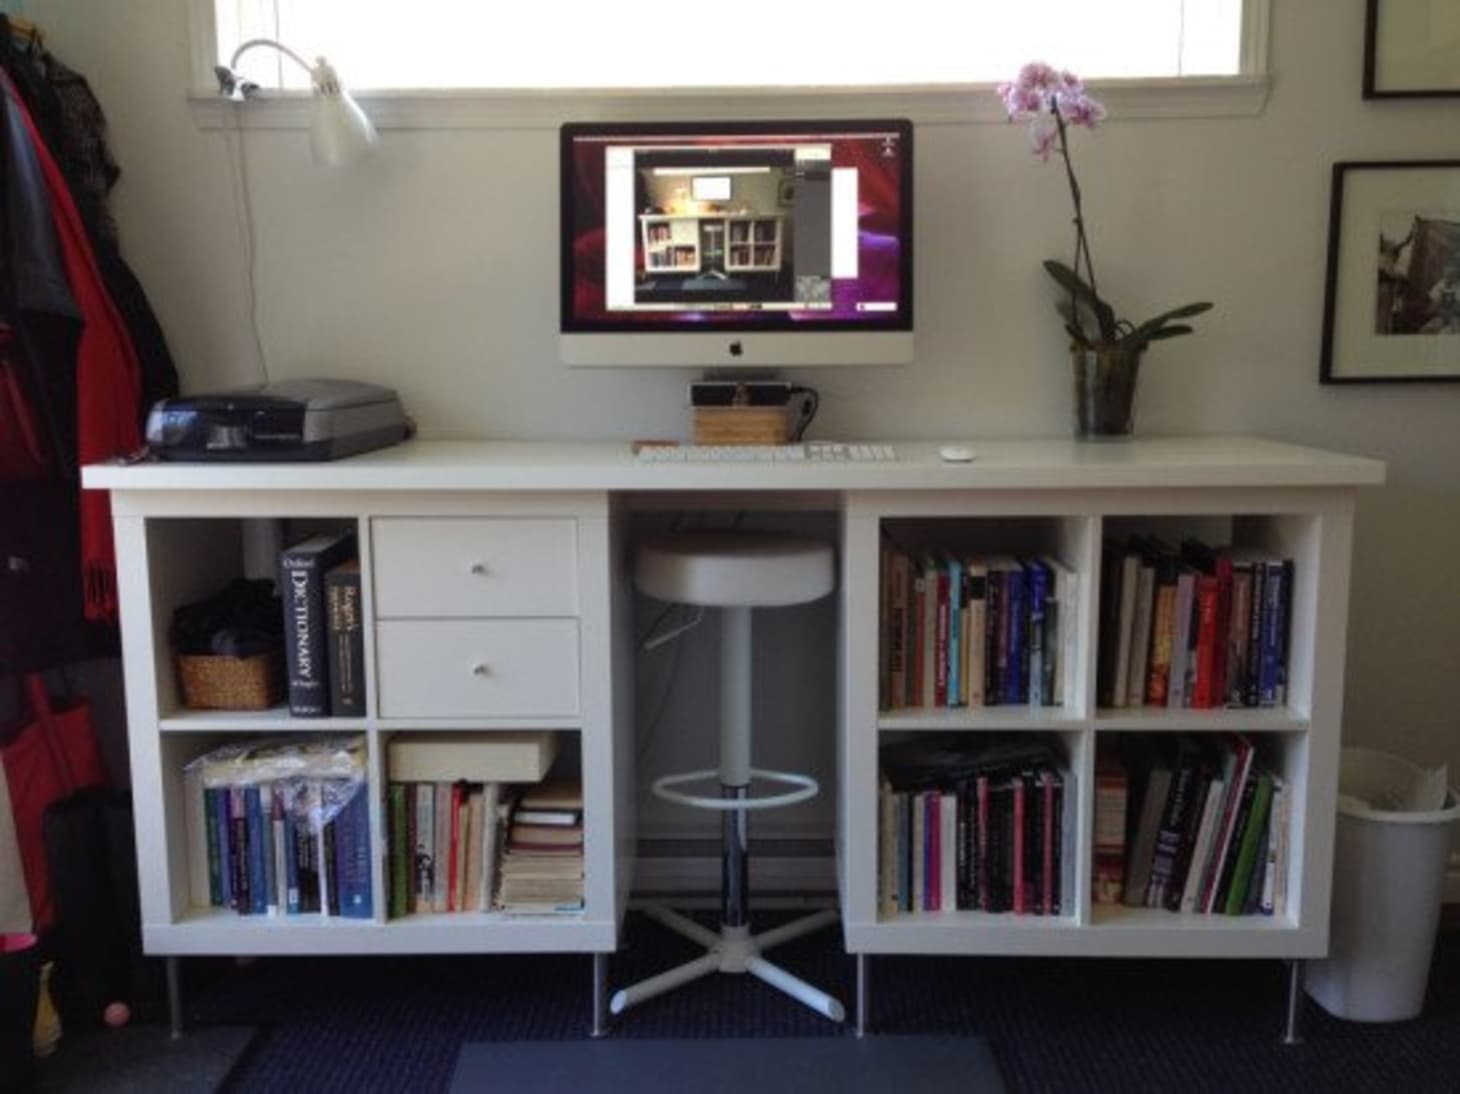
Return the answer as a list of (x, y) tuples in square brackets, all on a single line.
[(739, 244)]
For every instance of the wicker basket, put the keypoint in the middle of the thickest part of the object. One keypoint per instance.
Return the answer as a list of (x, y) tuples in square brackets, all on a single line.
[(231, 683)]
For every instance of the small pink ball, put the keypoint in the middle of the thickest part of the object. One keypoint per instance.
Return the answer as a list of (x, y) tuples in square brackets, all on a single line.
[(117, 1015)]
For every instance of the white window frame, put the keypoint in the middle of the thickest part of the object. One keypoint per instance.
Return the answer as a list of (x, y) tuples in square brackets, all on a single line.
[(1241, 95)]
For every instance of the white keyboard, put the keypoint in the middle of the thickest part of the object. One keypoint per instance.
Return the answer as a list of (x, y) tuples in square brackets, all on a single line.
[(810, 452)]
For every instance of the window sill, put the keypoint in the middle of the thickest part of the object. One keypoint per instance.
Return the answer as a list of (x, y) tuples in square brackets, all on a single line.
[(970, 104)]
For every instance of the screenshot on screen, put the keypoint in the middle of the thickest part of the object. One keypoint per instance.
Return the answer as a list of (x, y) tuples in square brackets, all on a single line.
[(737, 229)]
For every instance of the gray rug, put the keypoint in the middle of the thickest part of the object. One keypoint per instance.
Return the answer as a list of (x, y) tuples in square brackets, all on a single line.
[(763, 1065), (143, 1060)]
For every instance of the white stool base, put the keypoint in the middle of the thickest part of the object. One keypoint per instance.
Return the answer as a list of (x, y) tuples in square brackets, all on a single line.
[(733, 950)]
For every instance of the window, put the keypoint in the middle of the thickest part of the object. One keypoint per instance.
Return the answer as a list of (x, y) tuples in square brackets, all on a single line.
[(454, 44)]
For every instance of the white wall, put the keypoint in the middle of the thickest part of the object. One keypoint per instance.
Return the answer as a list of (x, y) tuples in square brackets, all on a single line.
[(433, 268)]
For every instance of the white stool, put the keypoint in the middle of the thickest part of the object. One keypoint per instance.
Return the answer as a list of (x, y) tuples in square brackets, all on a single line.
[(734, 572)]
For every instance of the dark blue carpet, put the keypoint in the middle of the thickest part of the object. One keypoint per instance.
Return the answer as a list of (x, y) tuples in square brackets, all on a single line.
[(767, 1065), (392, 1023)]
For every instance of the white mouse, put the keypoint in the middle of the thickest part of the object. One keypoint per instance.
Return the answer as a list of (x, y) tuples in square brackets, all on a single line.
[(955, 453)]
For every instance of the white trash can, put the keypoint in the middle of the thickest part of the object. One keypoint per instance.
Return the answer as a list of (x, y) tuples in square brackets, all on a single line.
[(1389, 868)]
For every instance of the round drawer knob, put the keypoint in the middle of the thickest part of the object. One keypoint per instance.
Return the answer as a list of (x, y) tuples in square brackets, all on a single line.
[(479, 568), (480, 669)]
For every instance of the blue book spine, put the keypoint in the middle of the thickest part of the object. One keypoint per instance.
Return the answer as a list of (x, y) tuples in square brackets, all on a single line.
[(291, 861), (1016, 678), (955, 632), (257, 873), (224, 822), (266, 824), (1038, 578), (210, 826), (352, 847)]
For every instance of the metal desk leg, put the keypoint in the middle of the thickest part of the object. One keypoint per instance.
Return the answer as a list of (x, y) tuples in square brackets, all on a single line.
[(864, 994), (174, 994), (600, 995), (1292, 1029)]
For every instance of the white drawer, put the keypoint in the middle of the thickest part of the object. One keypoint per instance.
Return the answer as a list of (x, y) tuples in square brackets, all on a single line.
[(443, 668), (475, 566)]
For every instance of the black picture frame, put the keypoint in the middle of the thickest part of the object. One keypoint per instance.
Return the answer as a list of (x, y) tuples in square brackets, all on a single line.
[(1378, 307), (1378, 82)]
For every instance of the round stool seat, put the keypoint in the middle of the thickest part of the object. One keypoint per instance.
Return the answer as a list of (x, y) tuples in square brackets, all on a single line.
[(741, 569)]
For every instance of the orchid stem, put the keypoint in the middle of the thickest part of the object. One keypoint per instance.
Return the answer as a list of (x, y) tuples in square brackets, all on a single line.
[(1082, 245)]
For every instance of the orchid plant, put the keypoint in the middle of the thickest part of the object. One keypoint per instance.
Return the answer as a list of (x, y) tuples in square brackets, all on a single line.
[(1053, 102)]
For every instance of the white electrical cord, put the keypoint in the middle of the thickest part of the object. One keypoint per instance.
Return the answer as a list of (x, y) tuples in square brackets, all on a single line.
[(238, 158), (656, 641)]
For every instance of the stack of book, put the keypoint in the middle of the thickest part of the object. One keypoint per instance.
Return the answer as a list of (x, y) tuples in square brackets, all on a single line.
[(1193, 824), (974, 630), (972, 825), (542, 865), (324, 643), (447, 801), (281, 828), (1193, 627)]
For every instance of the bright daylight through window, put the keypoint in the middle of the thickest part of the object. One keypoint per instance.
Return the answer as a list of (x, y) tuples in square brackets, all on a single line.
[(588, 43)]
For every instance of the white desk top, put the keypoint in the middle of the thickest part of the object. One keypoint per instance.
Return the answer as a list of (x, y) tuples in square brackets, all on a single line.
[(1001, 464)]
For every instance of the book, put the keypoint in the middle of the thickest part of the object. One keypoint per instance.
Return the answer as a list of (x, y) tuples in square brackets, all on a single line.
[(1140, 635), (400, 865), (302, 570), (897, 645), (345, 640), (1143, 850), (1038, 581), (515, 756), (202, 858), (1111, 793), (425, 863), (1177, 695), (352, 846), (441, 875), (1201, 848), (1130, 571), (886, 850), (1246, 861), (1163, 625)]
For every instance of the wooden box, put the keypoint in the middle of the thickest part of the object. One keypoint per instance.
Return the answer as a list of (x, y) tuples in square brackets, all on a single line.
[(742, 424)]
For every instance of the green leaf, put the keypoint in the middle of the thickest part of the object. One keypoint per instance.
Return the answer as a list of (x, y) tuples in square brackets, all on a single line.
[(1168, 332), (1183, 312), (1077, 334), (1076, 286)]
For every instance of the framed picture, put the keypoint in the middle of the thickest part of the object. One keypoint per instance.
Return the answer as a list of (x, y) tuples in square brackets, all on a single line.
[(1392, 306), (1412, 49)]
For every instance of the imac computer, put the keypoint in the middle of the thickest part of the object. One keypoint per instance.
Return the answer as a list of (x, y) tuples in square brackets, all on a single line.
[(737, 244)]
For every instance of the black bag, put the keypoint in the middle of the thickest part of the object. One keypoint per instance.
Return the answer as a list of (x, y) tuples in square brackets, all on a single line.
[(91, 855)]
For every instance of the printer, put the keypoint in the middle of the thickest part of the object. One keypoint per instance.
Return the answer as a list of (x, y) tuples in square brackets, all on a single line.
[(289, 420)]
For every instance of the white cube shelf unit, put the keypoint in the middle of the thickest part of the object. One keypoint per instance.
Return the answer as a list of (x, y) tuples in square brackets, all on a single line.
[(1300, 741), (481, 613)]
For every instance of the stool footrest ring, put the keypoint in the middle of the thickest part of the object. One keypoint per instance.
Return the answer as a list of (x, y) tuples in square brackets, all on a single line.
[(806, 787)]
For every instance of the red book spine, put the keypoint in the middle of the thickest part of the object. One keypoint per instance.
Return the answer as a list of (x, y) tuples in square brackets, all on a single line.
[(1204, 693), (1020, 907), (1224, 615)]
